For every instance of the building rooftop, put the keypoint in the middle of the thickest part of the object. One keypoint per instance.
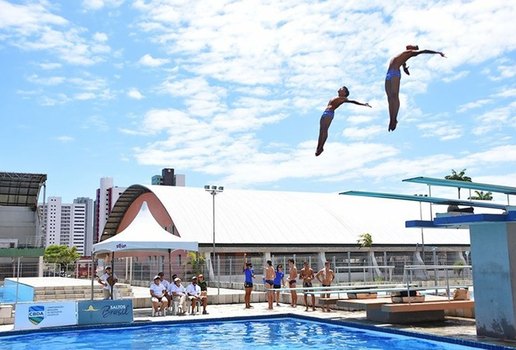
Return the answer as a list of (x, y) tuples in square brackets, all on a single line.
[(20, 189), (247, 217)]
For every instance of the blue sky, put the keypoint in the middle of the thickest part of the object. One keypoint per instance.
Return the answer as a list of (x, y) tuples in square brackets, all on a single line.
[(231, 92)]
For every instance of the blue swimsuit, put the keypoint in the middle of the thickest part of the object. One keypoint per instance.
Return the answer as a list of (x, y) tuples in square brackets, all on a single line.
[(393, 73), (328, 113)]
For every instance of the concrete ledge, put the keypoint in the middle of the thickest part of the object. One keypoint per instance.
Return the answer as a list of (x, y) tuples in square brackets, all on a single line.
[(362, 304), (7, 320), (429, 306), (378, 315), (6, 311)]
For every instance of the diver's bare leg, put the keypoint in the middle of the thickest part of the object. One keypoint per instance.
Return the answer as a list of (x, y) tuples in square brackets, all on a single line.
[(392, 89), (323, 134)]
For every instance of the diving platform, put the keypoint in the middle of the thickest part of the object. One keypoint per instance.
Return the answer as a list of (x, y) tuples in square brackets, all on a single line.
[(431, 181), (433, 200), (493, 248)]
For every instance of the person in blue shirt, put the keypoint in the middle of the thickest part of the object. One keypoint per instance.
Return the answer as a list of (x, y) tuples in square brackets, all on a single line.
[(279, 281), (248, 282)]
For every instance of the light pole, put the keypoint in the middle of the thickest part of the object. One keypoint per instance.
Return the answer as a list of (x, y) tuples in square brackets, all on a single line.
[(214, 190)]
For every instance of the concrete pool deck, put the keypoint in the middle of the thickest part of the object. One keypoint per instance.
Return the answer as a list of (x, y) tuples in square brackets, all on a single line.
[(452, 327)]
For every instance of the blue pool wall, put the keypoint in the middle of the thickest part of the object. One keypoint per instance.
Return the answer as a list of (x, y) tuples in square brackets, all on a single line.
[(458, 341), (24, 293)]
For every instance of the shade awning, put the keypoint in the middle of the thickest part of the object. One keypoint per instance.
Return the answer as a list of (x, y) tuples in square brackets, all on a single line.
[(144, 233)]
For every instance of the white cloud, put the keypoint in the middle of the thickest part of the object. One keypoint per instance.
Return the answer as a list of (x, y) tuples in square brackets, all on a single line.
[(96, 122), (456, 76), (33, 27), (505, 70), (440, 129), (27, 18), (149, 61), (199, 97), (99, 4), (50, 81), (508, 92), (101, 37), (65, 139), (50, 66), (84, 96), (360, 119), (496, 119), (54, 100), (135, 94), (363, 133), (473, 105)]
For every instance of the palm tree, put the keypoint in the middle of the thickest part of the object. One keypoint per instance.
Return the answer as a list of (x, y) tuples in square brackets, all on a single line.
[(481, 196), (196, 262), (365, 240), (458, 177)]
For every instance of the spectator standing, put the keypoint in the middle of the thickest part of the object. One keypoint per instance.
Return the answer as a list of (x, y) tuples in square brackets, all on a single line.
[(248, 281), (279, 281)]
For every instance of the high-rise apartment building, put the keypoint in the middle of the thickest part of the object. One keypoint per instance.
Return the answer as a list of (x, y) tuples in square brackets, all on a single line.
[(88, 216), (107, 196), (168, 178), (69, 224)]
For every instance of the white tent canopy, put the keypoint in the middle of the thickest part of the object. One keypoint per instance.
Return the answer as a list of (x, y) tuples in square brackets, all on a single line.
[(144, 233)]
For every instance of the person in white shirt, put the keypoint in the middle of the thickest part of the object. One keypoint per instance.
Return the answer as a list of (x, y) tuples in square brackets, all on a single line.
[(167, 285), (178, 292), (158, 296), (108, 280), (194, 294)]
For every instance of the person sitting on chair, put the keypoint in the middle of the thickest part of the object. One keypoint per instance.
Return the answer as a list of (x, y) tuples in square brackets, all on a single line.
[(194, 294), (158, 296), (204, 289), (178, 293), (167, 285)]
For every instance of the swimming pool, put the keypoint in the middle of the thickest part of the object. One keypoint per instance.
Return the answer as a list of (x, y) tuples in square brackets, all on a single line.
[(255, 334)]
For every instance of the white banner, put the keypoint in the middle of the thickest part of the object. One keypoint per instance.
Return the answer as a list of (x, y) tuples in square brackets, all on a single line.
[(46, 314)]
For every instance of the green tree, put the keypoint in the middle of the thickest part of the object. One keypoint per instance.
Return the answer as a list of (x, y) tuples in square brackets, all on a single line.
[(61, 254), (365, 240), (481, 196), (458, 177), (196, 262)]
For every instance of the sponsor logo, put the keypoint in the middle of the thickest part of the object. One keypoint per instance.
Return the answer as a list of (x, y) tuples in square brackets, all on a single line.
[(121, 245), (91, 308), (114, 310), (36, 314)]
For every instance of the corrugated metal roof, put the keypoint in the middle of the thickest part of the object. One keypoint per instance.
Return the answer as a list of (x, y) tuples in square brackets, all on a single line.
[(20, 189), (290, 218)]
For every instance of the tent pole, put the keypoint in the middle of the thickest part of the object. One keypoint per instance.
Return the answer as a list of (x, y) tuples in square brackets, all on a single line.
[(92, 273), (170, 266), (113, 272)]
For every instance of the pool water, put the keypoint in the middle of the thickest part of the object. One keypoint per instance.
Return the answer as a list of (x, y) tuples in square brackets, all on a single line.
[(276, 333)]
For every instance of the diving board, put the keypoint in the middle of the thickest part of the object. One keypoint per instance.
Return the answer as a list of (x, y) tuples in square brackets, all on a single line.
[(463, 184), (434, 200), (493, 246)]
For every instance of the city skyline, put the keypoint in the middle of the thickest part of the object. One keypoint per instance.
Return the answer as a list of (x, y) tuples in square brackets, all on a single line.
[(231, 94)]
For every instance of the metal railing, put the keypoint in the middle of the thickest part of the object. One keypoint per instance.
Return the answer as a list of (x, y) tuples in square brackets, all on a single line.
[(441, 276)]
